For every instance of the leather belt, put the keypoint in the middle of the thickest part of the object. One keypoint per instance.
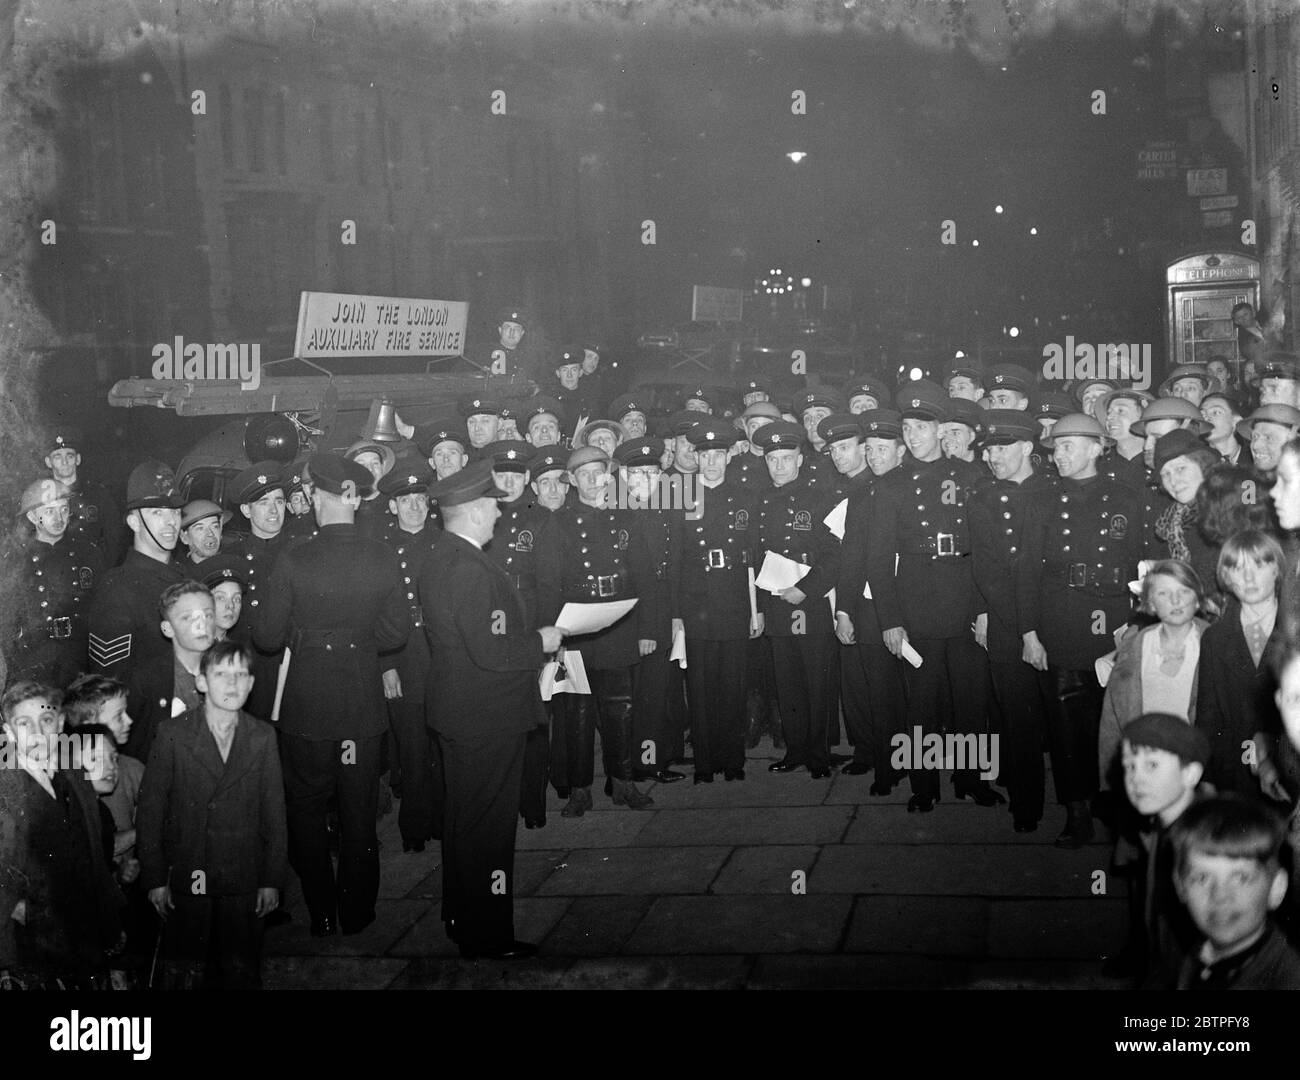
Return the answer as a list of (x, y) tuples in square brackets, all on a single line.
[(939, 546), (602, 586), (1082, 575), (341, 638)]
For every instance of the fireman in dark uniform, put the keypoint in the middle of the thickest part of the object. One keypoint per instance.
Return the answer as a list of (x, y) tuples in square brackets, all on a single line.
[(337, 602), (259, 490), (591, 562), (520, 349), (482, 415), (543, 419), (919, 524), (124, 625), (378, 459), (301, 521), (791, 522), (997, 516), (717, 553), (867, 395), (413, 769), (752, 391), (1082, 543), (444, 447), (519, 533), (58, 573), (657, 734), (548, 477), (632, 411), (872, 678), (94, 516), (812, 406), (567, 370)]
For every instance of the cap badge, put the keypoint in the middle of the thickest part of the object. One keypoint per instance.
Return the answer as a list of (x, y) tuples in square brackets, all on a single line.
[(261, 479), (916, 403)]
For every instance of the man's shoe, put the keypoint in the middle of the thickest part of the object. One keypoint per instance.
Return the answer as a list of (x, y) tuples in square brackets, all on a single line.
[(784, 765), (877, 788), (981, 793), (324, 927), (920, 803), (516, 950), (856, 768), (626, 794), (535, 823), (841, 759), (413, 845), (576, 806), (703, 778), (823, 773), (734, 774), (667, 776)]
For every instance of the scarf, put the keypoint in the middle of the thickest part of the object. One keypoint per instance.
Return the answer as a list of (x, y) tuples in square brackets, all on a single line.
[(1170, 528)]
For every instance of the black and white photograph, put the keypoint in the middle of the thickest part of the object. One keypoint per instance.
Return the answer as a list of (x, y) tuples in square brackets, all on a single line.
[(655, 495)]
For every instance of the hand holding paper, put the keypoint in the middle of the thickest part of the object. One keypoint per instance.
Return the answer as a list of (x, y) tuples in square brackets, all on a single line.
[(578, 619), (779, 573)]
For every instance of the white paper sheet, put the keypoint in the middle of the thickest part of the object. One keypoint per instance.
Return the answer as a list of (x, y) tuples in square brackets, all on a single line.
[(1103, 666), (574, 680), (835, 519), (778, 573), (911, 655), (578, 619), (679, 649)]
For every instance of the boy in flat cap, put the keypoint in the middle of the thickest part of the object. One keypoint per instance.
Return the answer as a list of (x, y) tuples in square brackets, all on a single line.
[(337, 601)]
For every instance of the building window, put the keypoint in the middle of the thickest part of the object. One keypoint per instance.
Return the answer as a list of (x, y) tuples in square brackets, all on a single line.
[(255, 127), (227, 126)]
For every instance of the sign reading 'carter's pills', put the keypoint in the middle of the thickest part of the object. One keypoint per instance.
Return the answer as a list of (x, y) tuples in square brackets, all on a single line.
[(343, 324)]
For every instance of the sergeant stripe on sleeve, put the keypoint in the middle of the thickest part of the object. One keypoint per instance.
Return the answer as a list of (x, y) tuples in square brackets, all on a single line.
[(107, 651)]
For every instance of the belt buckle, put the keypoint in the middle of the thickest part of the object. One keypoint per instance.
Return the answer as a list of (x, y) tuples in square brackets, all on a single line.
[(717, 559), (61, 628), (606, 584), (945, 543), (1078, 575)]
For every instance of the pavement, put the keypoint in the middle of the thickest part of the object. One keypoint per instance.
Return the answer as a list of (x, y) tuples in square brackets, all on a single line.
[(776, 882)]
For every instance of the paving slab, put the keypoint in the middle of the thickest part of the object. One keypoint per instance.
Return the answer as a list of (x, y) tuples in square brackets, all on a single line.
[(941, 926), (704, 972), (329, 972), (635, 871), (764, 869), (596, 925), (392, 921), (425, 937), (400, 871), (1039, 975), (458, 974), (957, 870), (595, 829), (759, 788), (741, 924), (949, 823), (734, 826), (1085, 928)]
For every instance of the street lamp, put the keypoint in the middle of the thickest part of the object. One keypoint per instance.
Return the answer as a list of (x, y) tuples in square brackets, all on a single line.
[(797, 155)]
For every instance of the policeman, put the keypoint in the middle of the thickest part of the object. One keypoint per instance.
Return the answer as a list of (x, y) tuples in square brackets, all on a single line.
[(376, 458), (548, 476), (812, 406), (592, 562), (59, 572), (411, 536), (864, 395), (871, 677), (718, 552), (1117, 412), (997, 515), (444, 448), (543, 419), (658, 712), (202, 522), (1081, 547), (632, 411), (93, 512), (957, 433), (482, 420), (791, 522), (919, 525), (750, 468), (488, 659), (964, 380), (123, 617), (1010, 386), (337, 602), (514, 548)]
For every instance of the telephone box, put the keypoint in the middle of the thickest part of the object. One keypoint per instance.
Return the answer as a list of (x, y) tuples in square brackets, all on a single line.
[(1200, 293)]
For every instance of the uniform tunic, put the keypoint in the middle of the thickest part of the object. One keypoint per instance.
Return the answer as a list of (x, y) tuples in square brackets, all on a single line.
[(94, 516), (58, 580), (124, 623)]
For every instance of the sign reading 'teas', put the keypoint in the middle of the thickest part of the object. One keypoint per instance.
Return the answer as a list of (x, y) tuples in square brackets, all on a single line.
[(344, 324)]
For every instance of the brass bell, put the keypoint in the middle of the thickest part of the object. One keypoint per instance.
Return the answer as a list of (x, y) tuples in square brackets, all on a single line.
[(381, 424)]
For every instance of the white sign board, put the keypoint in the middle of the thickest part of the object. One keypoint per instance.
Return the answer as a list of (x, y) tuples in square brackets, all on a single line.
[(1219, 202), (711, 303), (1207, 181), (343, 324)]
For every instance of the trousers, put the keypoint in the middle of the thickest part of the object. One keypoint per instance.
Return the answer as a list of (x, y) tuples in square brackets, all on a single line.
[(1073, 720), (608, 708), (1023, 694), (874, 692), (802, 665), (947, 693), (715, 683)]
